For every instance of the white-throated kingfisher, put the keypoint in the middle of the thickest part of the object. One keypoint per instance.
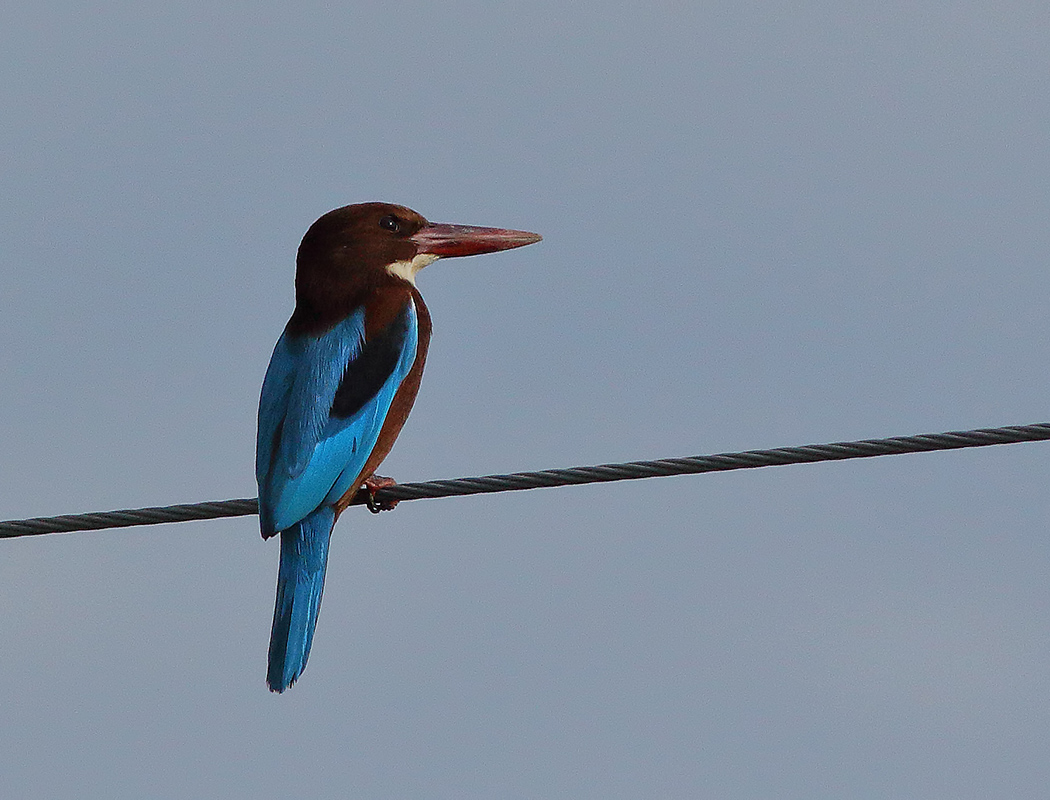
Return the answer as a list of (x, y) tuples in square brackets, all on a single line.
[(340, 384)]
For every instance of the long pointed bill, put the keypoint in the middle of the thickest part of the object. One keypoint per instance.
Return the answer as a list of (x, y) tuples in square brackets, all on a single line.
[(449, 241)]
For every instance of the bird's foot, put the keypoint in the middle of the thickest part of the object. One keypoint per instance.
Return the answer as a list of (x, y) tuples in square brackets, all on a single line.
[(371, 487)]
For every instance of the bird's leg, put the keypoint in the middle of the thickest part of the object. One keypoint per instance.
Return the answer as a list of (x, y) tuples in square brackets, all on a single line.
[(372, 484)]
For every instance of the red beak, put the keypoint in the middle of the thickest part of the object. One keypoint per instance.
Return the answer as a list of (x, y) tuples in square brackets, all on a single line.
[(449, 241)]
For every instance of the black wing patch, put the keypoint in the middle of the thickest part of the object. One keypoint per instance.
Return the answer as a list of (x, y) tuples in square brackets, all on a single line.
[(365, 375)]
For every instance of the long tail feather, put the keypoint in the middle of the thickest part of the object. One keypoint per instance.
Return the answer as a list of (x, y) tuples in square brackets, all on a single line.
[(300, 583)]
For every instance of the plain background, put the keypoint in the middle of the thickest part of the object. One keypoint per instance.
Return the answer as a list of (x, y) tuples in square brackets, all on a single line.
[(765, 224)]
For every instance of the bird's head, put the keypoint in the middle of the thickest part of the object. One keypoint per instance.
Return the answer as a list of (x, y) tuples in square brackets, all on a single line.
[(367, 240), (353, 250)]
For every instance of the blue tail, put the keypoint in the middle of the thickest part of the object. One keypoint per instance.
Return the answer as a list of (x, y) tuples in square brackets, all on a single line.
[(300, 582)]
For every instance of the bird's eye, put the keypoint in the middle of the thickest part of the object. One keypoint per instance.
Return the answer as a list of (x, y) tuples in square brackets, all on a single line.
[(390, 223)]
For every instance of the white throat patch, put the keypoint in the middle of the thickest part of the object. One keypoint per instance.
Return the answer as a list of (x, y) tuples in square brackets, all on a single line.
[(408, 269)]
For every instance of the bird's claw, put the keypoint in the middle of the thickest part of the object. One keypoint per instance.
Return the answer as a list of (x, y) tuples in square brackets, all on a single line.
[(371, 486)]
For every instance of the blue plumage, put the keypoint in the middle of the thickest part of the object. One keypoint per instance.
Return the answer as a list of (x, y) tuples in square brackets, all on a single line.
[(300, 583), (313, 443)]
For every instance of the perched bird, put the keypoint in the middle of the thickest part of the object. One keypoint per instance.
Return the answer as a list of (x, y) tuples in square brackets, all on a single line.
[(340, 384)]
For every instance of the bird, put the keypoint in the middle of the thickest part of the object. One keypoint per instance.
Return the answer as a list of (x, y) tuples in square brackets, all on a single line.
[(339, 386)]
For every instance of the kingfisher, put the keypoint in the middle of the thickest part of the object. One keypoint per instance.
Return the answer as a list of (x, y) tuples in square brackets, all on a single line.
[(339, 387)]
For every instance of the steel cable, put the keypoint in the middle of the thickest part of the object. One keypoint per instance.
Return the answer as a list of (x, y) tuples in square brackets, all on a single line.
[(634, 470)]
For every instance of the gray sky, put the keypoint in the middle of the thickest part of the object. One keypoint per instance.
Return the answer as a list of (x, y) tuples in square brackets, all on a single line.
[(765, 224)]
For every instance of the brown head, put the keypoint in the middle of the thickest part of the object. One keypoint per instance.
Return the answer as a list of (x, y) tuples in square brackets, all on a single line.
[(352, 250)]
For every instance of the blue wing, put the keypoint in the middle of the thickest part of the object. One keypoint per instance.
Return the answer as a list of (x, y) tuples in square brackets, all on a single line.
[(324, 400)]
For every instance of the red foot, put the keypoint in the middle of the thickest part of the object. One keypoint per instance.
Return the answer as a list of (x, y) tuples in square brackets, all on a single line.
[(371, 486)]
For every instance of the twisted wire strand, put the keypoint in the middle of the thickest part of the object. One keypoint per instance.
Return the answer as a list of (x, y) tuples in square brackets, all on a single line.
[(518, 481)]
